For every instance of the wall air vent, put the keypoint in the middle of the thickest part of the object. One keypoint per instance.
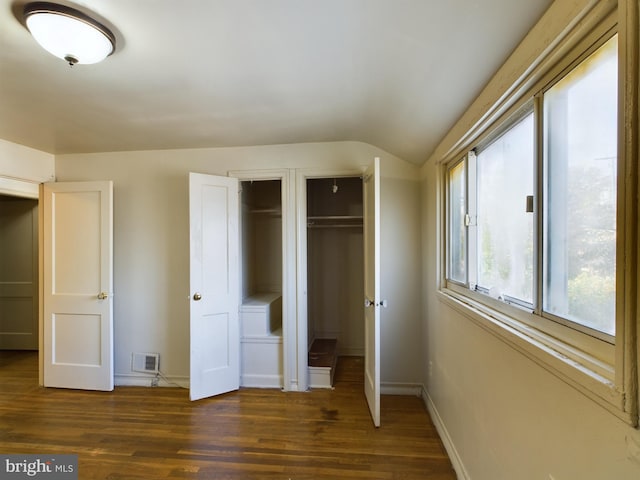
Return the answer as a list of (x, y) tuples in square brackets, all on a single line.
[(145, 362)]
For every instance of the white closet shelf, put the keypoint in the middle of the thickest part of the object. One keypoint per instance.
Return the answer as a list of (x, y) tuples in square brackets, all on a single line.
[(261, 314), (334, 221), (267, 211)]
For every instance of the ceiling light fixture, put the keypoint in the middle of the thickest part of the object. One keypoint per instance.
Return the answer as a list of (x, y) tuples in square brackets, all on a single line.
[(68, 33)]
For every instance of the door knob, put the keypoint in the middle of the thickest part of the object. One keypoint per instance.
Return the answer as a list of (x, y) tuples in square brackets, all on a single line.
[(103, 296), (197, 296), (373, 303)]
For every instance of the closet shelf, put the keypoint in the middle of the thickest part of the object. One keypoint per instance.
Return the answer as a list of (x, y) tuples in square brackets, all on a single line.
[(276, 212), (334, 221)]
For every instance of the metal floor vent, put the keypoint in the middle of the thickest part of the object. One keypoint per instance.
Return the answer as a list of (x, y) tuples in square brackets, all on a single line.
[(145, 362)]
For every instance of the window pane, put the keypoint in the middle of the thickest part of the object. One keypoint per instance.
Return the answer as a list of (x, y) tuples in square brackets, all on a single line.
[(457, 229), (505, 229), (580, 195)]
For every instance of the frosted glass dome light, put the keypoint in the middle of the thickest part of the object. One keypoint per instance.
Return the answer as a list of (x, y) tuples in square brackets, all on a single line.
[(68, 33)]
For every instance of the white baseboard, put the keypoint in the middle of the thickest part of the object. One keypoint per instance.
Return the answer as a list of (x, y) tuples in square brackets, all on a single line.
[(292, 387), (261, 381), (393, 388), (145, 380), (456, 461), (321, 377)]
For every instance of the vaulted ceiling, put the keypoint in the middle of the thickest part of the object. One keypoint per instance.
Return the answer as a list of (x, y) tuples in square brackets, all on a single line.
[(215, 73)]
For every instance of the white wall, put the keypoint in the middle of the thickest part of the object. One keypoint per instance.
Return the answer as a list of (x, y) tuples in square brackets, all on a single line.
[(22, 169), (401, 282), (504, 416), (151, 247)]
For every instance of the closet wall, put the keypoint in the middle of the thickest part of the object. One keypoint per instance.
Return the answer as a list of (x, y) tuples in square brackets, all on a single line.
[(335, 278)]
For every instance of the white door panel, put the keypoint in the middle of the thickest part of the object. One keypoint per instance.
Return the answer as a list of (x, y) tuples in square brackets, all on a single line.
[(78, 285), (214, 285), (372, 289)]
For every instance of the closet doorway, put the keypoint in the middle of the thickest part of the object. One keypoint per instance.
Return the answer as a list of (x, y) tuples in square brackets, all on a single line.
[(265, 273), (334, 271), (19, 276), (18, 273)]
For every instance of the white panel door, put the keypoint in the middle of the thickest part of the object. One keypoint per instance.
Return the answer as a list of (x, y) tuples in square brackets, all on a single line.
[(214, 285), (372, 289), (78, 285)]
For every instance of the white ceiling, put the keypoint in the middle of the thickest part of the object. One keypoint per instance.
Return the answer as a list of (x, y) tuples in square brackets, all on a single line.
[(210, 73)]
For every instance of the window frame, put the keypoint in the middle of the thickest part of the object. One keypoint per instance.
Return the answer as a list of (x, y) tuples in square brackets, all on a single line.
[(448, 228), (495, 135), (601, 369), (539, 99)]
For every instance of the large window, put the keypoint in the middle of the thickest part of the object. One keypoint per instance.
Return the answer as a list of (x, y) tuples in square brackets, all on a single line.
[(532, 207), (457, 227), (504, 182), (580, 153)]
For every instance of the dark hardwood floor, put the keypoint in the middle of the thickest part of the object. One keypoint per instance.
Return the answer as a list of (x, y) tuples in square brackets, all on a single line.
[(157, 433)]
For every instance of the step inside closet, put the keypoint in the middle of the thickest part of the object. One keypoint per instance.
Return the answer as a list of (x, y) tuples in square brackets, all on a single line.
[(261, 308), (335, 274)]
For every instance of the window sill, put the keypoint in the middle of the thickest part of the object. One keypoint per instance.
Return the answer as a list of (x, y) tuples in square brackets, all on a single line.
[(546, 351)]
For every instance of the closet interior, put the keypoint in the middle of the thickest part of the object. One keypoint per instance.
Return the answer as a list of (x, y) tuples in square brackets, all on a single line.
[(261, 308), (335, 274), (18, 273)]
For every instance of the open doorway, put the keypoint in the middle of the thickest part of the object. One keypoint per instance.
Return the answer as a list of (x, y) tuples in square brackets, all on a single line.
[(18, 273), (261, 308), (335, 274), (19, 340)]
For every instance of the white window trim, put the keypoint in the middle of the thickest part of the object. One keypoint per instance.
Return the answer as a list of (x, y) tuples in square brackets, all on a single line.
[(608, 373), (566, 341)]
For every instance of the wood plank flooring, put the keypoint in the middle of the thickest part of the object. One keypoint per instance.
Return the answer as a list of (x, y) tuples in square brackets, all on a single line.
[(157, 433)]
